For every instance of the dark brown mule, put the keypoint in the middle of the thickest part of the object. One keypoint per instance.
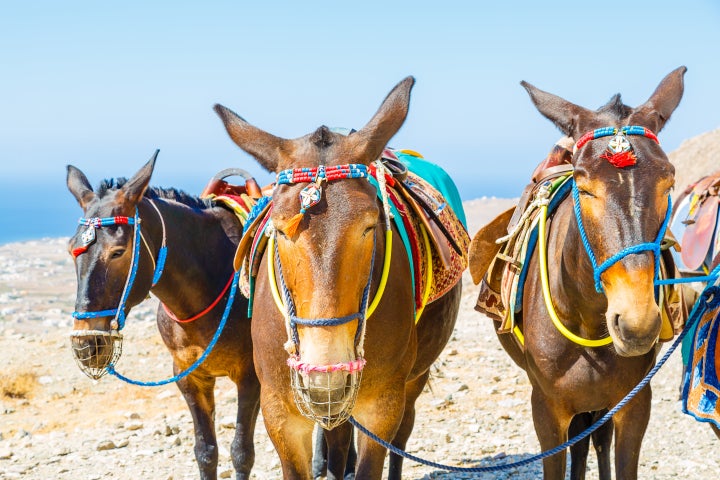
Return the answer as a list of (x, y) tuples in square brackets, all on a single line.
[(619, 207), (201, 240), (326, 266)]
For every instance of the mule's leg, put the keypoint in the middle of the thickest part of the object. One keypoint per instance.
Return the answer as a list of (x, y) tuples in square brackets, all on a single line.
[(579, 451), (382, 417), (338, 445), (630, 425), (243, 445), (602, 440), (716, 430), (412, 391), (200, 398), (291, 434), (551, 427), (351, 458), (320, 454), (320, 459)]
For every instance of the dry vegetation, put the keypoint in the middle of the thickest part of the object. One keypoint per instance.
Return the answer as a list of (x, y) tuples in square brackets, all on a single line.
[(20, 385)]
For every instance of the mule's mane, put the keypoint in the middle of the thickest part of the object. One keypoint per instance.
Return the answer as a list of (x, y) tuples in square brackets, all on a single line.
[(616, 108), (174, 194)]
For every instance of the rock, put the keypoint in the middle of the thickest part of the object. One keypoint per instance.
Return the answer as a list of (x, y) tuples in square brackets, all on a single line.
[(5, 454), (227, 422), (105, 445), (133, 425), (226, 473)]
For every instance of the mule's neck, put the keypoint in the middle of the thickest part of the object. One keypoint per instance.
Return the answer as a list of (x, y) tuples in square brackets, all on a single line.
[(201, 245)]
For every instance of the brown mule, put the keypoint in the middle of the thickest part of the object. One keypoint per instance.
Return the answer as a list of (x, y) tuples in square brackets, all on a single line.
[(327, 261), (619, 207), (201, 240)]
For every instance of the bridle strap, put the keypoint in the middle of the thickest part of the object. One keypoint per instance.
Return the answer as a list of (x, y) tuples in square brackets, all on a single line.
[(98, 222)]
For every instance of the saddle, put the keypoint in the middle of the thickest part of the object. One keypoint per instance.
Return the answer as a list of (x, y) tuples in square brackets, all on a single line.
[(500, 251), (701, 236)]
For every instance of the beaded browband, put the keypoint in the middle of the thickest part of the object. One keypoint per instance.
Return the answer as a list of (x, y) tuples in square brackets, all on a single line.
[(619, 150)]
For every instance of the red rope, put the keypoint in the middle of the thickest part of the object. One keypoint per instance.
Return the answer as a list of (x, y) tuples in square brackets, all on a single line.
[(210, 307)]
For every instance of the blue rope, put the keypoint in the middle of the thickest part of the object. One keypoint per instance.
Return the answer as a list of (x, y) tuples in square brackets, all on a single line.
[(96, 314), (162, 256), (709, 298), (324, 322), (191, 368), (133, 272), (653, 247)]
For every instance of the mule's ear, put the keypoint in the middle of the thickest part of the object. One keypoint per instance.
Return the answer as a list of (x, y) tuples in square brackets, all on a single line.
[(664, 100), (265, 147), (79, 186), (135, 188), (370, 140), (567, 116)]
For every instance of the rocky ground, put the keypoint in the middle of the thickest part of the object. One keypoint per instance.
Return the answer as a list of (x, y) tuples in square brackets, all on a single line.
[(58, 424)]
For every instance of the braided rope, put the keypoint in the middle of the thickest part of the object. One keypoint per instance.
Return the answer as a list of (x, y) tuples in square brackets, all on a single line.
[(709, 298)]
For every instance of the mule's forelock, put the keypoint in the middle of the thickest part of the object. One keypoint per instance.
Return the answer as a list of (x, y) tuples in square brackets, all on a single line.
[(616, 108), (322, 137)]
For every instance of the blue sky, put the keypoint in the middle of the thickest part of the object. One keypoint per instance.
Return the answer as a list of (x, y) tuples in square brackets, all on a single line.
[(101, 85)]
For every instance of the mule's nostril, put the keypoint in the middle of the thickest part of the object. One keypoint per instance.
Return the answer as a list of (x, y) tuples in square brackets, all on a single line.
[(616, 322)]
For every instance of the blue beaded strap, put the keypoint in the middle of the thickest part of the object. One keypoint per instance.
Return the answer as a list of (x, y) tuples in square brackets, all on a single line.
[(653, 247), (98, 222), (329, 173)]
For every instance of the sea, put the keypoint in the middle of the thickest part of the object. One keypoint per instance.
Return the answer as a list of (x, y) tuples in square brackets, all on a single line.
[(46, 209)]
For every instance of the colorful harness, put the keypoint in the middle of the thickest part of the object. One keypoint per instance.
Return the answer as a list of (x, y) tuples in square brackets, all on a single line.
[(619, 153)]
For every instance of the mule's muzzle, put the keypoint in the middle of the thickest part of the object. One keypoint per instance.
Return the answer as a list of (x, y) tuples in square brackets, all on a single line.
[(634, 340), (95, 350), (326, 397)]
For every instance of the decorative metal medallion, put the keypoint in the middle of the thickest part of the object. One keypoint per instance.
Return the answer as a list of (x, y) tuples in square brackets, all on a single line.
[(619, 144), (310, 196), (88, 236)]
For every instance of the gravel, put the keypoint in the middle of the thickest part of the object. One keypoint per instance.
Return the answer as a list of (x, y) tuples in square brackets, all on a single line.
[(475, 411)]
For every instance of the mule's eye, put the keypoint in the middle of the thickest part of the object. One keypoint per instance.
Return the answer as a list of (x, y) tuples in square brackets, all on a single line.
[(368, 230), (117, 253), (585, 193)]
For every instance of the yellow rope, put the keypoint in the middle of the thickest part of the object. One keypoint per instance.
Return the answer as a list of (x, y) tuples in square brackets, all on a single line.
[(378, 294), (428, 284), (385, 274), (546, 291)]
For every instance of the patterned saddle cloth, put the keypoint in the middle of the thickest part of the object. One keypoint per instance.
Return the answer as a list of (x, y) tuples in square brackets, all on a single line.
[(417, 206), (701, 385), (696, 222), (502, 274)]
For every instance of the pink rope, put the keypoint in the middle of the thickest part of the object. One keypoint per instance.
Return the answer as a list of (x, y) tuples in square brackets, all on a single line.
[(354, 366)]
